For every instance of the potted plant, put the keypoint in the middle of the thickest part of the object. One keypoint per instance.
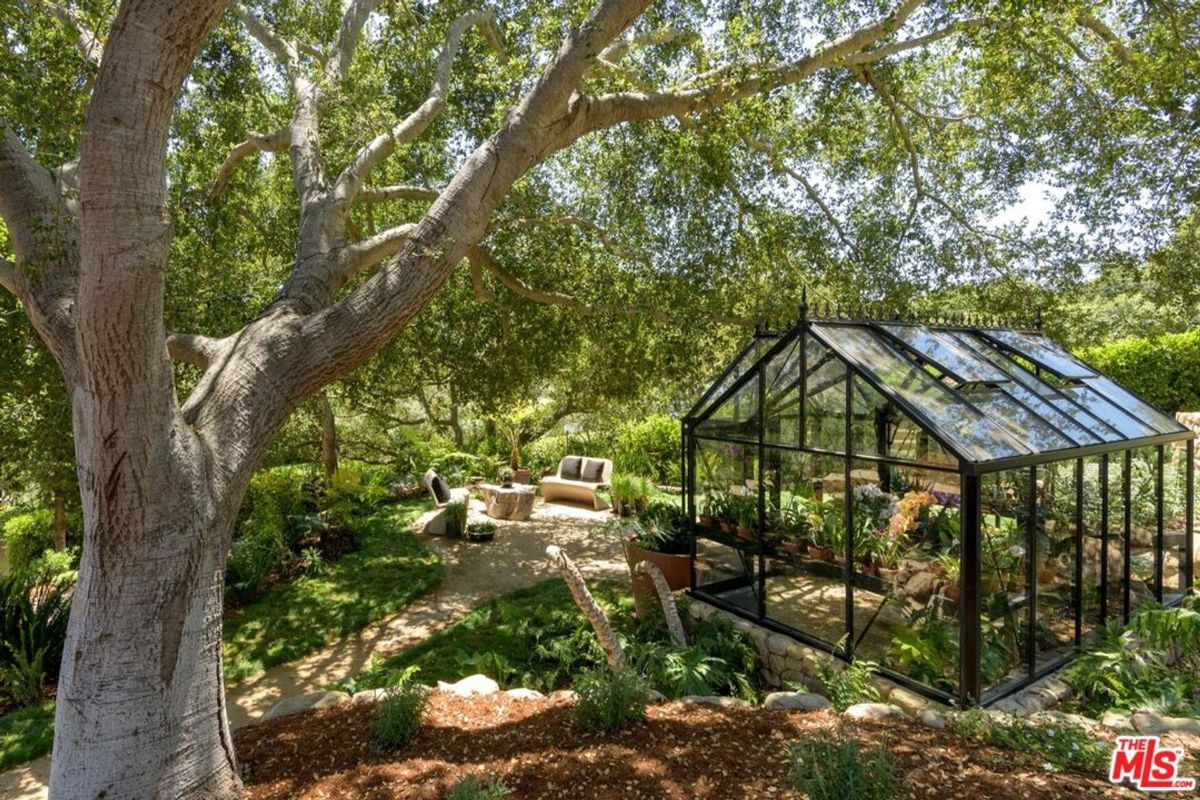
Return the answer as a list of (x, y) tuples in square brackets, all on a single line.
[(455, 515), (630, 495), (506, 478), (714, 506), (658, 535), (481, 531), (951, 568), (747, 519)]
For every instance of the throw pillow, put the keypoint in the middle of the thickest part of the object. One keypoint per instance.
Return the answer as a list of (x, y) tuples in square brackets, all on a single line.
[(593, 471), (570, 467), (441, 489)]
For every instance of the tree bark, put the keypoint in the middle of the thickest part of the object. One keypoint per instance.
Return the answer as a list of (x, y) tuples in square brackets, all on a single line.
[(329, 440), (60, 520), (667, 600)]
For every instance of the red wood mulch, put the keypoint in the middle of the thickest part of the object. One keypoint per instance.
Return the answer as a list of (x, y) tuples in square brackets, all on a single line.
[(681, 751)]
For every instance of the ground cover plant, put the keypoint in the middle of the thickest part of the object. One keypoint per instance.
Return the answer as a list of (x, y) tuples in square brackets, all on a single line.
[(1061, 745), (610, 698), (536, 638), (836, 768)]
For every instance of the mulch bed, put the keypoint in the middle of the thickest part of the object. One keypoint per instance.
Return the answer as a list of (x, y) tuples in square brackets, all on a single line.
[(681, 751)]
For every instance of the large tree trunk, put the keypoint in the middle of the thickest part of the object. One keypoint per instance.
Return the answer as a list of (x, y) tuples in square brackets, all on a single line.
[(140, 705)]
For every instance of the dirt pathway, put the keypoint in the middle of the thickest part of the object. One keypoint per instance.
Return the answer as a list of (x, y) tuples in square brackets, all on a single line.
[(474, 573)]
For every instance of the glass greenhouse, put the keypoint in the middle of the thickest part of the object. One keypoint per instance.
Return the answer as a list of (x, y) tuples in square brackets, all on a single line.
[(961, 504)]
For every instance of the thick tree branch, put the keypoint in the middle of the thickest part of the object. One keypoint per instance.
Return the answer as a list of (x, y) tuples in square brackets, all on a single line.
[(612, 55), (254, 143), (367, 253), (608, 110), (353, 21), (10, 279), (190, 348), (285, 51), (774, 159), (412, 126), (383, 194)]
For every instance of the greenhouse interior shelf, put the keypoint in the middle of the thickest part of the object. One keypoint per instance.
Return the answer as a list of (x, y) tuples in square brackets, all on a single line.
[(962, 505)]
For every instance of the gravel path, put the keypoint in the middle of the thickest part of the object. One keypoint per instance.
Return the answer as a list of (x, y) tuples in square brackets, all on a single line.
[(474, 573)]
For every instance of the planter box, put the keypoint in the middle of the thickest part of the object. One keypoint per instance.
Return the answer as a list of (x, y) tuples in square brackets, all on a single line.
[(676, 569)]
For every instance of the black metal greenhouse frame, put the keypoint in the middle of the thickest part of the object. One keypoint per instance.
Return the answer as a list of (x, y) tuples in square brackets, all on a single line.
[(970, 474)]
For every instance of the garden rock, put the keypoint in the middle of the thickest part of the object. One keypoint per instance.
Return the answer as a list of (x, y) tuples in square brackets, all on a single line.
[(932, 718), (305, 702), (1147, 722), (715, 700), (523, 694), (470, 686), (911, 702), (656, 696), (799, 701), (367, 696), (874, 711), (1117, 722), (564, 695), (1181, 725), (922, 586)]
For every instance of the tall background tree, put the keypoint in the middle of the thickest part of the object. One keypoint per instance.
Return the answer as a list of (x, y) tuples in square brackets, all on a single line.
[(679, 166)]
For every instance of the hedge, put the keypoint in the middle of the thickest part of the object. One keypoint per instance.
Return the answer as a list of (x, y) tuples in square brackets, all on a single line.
[(1163, 369)]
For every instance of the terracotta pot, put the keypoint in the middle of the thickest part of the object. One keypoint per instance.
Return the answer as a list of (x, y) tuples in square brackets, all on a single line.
[(707, 521), (522, 475), (821, 553), (798, 548), (950, 592), (677, 569), (727, 527), (746, 533)]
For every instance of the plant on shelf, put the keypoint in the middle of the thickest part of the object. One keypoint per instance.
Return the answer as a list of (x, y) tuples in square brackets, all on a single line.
[(455, 515), (795, 526), (828, 535), (714, 508), (747, 518), (952, 569)]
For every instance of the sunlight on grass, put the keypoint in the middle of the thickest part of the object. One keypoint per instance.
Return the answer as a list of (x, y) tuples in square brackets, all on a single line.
[(26, 734), (391, 569)]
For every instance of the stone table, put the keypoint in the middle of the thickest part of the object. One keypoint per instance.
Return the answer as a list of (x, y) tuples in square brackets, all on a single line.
[(508, 502)]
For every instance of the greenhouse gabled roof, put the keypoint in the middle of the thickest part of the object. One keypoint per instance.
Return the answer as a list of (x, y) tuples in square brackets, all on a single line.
[(987, 394)]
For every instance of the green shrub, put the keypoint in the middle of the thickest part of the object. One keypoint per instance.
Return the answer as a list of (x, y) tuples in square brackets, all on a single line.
[(835, 768), (1153, 663), (610, 698), (253, 559), (27, 536), (1163, 369), (719, 660), (399, 715), (59, 567), (471, 787), (850, 685), (33, 631), (651, 447)]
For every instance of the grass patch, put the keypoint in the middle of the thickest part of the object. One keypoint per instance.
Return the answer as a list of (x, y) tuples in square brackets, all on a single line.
[(26, 734), (390, 569)]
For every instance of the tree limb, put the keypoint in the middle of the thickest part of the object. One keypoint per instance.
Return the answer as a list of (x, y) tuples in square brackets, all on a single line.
[(383, 194), (666, 600), (588, 605), (338, 66), (775, 161), (880, 53), (365, 254), (10, 279), (1122, 51), (286, 52), (254, 143), (87, 40), (414, 124), (194, 349), (608, 110)]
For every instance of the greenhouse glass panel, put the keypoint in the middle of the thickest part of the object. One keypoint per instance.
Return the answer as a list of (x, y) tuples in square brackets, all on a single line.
[(1043, 352), (945, 351)]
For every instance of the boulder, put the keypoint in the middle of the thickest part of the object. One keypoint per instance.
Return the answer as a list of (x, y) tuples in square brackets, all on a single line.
[(911, 702), (1117, 722), (369, 696), (715, 700), (564, 695), (656, 696), (931, 717), (922, 585), (1147, 722), (795, 701), (874, 711), (470, 686), (523, 694), (305, 702), (1181, 725)]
